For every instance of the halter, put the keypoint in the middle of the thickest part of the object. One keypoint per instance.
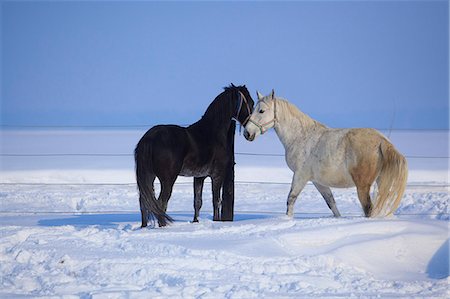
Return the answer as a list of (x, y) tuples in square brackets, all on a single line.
[(242, 99), (274, 120)]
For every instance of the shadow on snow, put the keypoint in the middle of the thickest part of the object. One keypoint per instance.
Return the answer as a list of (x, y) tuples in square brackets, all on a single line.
[(109, 220), (113, 220), (438, 267)]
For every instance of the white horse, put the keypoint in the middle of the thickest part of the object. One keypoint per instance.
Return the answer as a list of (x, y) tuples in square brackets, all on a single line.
[(340, 158)]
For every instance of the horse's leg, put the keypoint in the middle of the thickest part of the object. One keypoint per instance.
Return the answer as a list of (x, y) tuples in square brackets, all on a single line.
[(298, 183), (144, 213), (364, 174), (329, 199), (217, 183), (198, 189), (364, 198), (166, 192)]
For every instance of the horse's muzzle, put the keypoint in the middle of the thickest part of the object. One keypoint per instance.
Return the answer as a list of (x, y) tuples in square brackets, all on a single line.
[(248, 136)]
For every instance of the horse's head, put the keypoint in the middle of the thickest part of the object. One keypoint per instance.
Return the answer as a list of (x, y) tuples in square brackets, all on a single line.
[(263, 117), (244, 104)]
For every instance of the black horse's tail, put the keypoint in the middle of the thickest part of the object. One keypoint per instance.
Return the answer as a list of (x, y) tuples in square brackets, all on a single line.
[(144, 178)]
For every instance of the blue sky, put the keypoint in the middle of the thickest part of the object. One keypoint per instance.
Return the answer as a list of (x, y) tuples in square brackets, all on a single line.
[(345, 63)]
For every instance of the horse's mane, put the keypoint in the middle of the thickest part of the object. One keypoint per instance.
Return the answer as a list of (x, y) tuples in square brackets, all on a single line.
[(223, 107), (289, 110)]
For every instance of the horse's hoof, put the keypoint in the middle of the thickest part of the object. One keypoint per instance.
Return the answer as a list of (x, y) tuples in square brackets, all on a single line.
[(195, 221)]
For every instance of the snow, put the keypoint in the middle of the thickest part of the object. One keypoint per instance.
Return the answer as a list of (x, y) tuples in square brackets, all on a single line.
[(69, 226)]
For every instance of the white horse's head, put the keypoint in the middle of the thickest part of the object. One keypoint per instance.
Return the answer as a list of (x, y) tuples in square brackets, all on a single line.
[(263, 117)]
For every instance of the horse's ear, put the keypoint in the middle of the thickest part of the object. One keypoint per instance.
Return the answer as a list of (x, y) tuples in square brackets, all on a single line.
[(259, 95), (272, 95)]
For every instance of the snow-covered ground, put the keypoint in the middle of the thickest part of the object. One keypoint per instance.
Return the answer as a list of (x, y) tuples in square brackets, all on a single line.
[(69, 225)]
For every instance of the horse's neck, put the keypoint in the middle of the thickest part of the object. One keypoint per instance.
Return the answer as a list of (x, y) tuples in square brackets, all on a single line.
[(208, 128), (211, 128), (294, 128)]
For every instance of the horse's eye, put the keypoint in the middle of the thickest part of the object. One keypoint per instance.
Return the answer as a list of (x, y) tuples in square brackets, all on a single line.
[(261, 111)]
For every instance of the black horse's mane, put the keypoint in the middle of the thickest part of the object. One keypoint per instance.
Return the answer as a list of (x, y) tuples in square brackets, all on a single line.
[(233, 87), (223, 107)]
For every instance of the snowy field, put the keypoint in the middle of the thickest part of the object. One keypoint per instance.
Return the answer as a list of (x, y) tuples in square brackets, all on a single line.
[(69, 226)]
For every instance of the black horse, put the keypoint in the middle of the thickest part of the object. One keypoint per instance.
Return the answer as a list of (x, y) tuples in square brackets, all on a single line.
[(203, 149)]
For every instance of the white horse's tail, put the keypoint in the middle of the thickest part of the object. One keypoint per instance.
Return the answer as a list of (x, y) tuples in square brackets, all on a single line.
[(391, 181)]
